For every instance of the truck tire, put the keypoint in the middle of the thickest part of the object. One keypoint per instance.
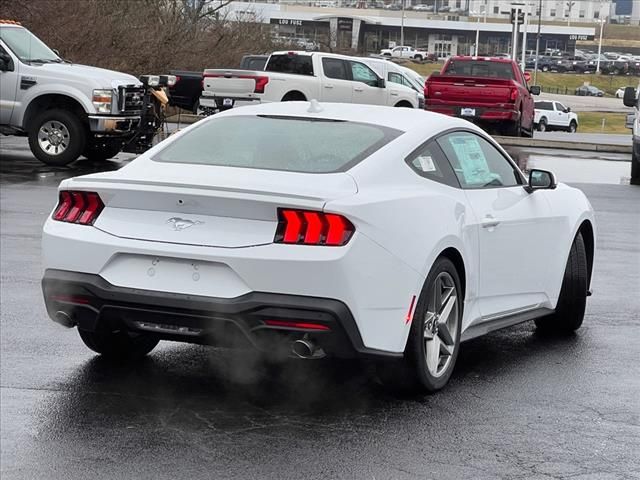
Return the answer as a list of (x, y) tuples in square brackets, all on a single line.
[(635, 168), (513, 129), (99, 152), (542, 125), (418, 58), (573, 127), (57, 137)]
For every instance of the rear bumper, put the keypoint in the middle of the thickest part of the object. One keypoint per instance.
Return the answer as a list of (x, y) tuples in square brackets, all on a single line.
[(482, 114), (93, 303)]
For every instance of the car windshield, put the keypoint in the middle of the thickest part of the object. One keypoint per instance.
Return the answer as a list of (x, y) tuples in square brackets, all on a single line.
[(26, 46), (293, 144), (480, 68)]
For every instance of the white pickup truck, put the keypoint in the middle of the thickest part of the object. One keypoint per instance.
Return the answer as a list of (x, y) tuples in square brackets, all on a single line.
[(404, 52), (66, 110), (291, 76), (550, 115)]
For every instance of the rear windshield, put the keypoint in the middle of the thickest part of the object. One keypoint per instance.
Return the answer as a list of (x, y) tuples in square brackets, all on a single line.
[(480, 68), (278, 143), (290, 63)]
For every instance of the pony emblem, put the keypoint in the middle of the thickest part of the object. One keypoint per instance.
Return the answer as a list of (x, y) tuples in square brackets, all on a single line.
[(182, 223)]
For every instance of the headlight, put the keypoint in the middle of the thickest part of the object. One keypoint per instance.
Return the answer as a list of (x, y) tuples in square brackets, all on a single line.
[(102, 100), (150, 80)]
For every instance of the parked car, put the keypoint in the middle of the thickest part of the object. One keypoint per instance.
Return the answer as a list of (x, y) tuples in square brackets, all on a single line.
[(589, 91), (290, 76), (571, 64), (423, 8), (550, 115), (187, 91), (404, 52), (397, 75), (66, 110), (491, 92), (631, 99), (278, 227)]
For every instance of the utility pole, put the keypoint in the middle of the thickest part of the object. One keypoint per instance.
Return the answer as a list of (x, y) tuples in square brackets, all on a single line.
[(535, 71), (602, 22), (524, 36), (402, 25)]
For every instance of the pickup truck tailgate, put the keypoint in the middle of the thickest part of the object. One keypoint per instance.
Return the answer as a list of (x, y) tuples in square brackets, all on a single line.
[(234, 83), (458, 90)]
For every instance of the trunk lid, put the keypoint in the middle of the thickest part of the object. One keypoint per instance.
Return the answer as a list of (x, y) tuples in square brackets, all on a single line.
[(205, 205)]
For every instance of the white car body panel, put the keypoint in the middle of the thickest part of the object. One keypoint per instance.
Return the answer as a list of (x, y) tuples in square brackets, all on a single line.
[(403, 223)]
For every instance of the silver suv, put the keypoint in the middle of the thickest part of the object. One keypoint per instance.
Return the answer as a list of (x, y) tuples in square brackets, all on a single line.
[(67, 110)]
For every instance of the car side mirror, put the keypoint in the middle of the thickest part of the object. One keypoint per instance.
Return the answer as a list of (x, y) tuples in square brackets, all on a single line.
[(535, 90), (6, 65), (629, 99), (381, 83), (541, 180), (567, 110)]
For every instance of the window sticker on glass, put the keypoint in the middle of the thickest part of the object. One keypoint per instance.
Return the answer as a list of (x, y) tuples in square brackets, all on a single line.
[(472, 160), (426, 163)]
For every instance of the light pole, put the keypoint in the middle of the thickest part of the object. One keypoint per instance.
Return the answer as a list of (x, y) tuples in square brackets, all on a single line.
[(535, 70), (524, 36), (402, 25), (570, 5), (601, 21), (477, 44)]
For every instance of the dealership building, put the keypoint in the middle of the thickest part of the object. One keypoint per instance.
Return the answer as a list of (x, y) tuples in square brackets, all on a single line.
[(369, 30)]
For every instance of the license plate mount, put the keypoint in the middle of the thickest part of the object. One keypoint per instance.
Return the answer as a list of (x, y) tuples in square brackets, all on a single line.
[(468, 112)]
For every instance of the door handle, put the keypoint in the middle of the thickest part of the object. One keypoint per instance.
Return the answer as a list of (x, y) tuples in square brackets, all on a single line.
[(489, 221), (328, 86), (358, 89), (394, 94)]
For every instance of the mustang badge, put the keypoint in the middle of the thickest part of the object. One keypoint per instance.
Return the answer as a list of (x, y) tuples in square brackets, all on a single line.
[(182, 223)]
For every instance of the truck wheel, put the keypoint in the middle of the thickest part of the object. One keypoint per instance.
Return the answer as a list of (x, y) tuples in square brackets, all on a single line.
[(514, 129), (573, 127), (635, 169), (99, 152), (403, 104), (294, 97), (57, 137), (545, 68), (542, 125), (418, 57)]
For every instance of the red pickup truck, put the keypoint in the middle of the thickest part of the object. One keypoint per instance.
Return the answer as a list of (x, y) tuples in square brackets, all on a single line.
[(491, 92)]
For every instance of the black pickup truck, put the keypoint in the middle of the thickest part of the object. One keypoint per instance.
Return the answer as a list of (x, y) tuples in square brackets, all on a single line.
[(186, 92)]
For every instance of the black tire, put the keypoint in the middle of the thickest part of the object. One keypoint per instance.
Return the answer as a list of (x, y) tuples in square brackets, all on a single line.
[(412, 374), (542, 125), (403, 104), (573, 127), (418, 57), (119, 345), (635, 169), (572, 302), (514, 129), (545, 68), (99, 152), (75, 137)]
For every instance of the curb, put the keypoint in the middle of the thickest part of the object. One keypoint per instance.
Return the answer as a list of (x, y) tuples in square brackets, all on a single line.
[(563, 145), (187, 119)]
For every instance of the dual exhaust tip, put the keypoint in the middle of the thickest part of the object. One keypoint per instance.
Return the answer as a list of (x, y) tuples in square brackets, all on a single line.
[(64, 319)]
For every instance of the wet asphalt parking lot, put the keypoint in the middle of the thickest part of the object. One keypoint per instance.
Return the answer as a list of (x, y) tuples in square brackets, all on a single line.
[(518, 405)]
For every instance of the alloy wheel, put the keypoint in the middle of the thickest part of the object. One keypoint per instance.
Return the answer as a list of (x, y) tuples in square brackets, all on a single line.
[(441, 324), (53, 137)]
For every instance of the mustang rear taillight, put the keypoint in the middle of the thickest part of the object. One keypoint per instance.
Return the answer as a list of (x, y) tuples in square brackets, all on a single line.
[(78, 207), (306, 227)]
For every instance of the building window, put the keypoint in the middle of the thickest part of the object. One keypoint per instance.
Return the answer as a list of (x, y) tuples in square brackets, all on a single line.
[(581, 14), (537, 11), (552, 12), (496, 9), (596, 14), (458, 3)]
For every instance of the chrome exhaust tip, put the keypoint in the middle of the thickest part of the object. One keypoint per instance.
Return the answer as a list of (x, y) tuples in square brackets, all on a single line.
[(64, 319), (304, 348)]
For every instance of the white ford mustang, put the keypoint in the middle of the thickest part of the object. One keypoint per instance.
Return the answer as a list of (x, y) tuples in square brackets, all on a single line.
[(342, 230)]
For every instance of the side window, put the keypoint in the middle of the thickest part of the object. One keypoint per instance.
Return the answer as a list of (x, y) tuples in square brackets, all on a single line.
[(544, 105), (428, 161), (395, 78), (477, 163), (361, 73), (334, 68), (560, 107)]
